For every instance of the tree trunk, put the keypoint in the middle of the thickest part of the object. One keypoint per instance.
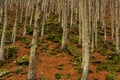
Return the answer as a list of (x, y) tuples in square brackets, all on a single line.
[(3, 33), (33, 50), (85, 43)]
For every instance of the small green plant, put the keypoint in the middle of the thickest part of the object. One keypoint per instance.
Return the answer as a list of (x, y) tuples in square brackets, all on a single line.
[(52, 52), (30, 30), (58, 76), (18, 69), (57, 39), (45, 47), (26, 41), (8, 36), (10, 51), (39, 42), (54, 37), (67, 76), (74, 40), (9, 75), (59, 67)]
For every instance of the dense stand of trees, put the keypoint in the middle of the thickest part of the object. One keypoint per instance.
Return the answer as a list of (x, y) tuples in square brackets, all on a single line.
[(84, 14)]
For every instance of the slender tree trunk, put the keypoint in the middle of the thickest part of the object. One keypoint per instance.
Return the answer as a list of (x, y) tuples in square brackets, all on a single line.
[(1, 11), (64, 26), (33, 50), (26, 18), (15, 25), (3, 33), (85, 43), (32, 15)]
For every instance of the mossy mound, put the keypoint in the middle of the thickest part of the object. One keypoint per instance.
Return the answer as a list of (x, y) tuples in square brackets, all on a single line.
[(72, 50), (73, 39), (54, 37), (24, 60), (111, 77), (109, 66), (4, 72), (10, 52)]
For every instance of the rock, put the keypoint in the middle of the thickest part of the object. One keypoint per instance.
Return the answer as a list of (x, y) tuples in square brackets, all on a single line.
[(4, 72), (24, 60)]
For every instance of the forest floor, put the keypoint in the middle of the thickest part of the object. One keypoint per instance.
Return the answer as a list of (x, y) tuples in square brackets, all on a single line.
[(54, 64)]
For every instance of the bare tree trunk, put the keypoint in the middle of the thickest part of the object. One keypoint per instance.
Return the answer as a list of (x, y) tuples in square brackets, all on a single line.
[(33, 50), (117, 25), (80, 23), (71, 20), (26, 18), (3, 33), (15, 25), (21, 15), (64, 26), (1, 11), (32, 15), (112, 19), (85, 43)]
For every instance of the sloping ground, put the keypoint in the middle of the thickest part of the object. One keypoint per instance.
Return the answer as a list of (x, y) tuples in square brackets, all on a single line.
[(54, 64), (47, 66)]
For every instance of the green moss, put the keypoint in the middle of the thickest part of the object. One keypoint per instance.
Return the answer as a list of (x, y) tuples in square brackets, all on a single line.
[(58, 76), (9, 75), (54, 37), (43, 78), (67, 76), (30, 30), (27, 46), (114, 57), (26, 41), (74, 40), (72, 50), (59, 67), (45, 47), (109, 67), (18, 69), (39, 42), (10, 51), (57, 39), (52, 52), (24, 60), (8, 36), (96, 61), (4, 72), (111, 77)]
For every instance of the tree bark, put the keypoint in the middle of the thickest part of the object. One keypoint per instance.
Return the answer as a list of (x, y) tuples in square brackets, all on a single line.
[(33, 50)]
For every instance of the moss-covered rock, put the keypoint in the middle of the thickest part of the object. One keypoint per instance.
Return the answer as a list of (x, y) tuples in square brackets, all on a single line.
[(24, 60), (18, 69), (4, 72), (10, 51)]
